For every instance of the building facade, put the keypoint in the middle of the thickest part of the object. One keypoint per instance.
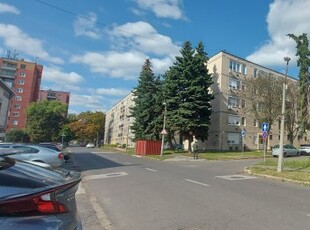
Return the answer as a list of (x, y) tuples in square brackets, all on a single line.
[(52, 95), (5, 96), (24, 78), (117, 123), (232, 127)]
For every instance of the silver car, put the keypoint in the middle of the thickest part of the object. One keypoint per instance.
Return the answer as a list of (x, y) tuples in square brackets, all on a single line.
[(34, 197), (288, 150), (36, 153)]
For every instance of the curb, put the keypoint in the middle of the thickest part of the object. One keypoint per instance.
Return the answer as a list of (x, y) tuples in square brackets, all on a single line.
[(249, 171)]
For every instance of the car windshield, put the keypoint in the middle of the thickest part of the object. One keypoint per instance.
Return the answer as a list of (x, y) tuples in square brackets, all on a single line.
[(276, 146)]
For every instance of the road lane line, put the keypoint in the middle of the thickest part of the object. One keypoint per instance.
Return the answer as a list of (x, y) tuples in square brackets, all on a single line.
[(197, 182), (126, 163), (152, 170)]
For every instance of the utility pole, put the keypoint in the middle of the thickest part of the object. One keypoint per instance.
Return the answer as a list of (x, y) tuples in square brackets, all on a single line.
[(280, 157)]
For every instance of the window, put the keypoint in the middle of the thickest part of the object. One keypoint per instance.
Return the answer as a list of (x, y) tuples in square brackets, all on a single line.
[(19, 90), (15, 122), (17, 106), (234, 84), (233, 120), (21, 82), (243, 121), (255, 139), (22, 74), (15, 114), (233, 138), (237, 67), (22, 66), (255, 123), (243, 104), (233, 102), (18, 98), (255, 72)]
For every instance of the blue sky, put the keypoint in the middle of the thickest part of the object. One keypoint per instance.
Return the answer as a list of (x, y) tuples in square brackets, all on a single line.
[(95, 49)]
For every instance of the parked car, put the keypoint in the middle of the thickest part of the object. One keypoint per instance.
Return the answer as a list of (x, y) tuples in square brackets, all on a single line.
[(90, 145), (304, 149), (36, 153), (34, 197), (56, 147), (288, 150)]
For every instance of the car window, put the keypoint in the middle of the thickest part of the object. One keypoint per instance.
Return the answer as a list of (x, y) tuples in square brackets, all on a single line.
[(4, 146), (26, 149)]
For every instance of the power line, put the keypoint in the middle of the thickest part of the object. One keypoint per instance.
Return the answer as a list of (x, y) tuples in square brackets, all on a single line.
[(89, 19)]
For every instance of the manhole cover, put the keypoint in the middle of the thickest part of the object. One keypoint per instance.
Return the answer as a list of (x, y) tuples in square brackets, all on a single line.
[(236, 177)]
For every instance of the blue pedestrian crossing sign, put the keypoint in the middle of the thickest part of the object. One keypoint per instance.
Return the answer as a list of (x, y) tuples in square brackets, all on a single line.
[(265, 127), (243, 133)]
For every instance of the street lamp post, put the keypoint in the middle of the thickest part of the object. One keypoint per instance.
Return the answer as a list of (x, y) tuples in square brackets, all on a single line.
[(280, 159), (164, 131)]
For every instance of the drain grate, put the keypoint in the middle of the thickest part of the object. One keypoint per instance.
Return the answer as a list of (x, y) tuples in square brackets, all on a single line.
[(236, 177)]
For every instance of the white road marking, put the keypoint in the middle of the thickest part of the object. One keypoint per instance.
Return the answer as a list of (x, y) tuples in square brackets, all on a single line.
[(152, 170), (104, 176), (81, 189), (126, 163), (236, 177), (197, 182)]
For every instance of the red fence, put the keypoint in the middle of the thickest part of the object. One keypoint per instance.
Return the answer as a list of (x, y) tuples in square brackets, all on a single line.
[(147, 147)]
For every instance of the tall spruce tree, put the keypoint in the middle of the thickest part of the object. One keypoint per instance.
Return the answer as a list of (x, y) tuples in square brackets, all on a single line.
[(303, 63), (186, 92), (147, 109)]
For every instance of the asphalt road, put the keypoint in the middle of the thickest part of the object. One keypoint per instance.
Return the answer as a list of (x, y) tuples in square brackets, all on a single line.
[(121, 192)]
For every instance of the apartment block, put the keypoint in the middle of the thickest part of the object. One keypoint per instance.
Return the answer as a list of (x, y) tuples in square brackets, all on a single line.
[(5, 96), (232, 127), (52, 95), (117, 123), (24, 78)]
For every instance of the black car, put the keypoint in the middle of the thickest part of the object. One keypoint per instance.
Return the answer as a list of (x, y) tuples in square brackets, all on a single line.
[(34, 197)]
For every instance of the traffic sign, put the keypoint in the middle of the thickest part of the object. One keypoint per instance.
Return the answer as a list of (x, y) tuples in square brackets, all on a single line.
[(265, 135), (265, 127), (164, 132), (243, 133)]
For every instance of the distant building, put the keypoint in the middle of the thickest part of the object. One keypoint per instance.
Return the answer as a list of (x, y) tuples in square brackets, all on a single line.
[(24, 78), (231, 123), (52, 95), (5, 96)]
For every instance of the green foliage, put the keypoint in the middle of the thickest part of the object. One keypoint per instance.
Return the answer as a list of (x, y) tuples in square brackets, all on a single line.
[(147, 109), (302, 46), (187, 93), (87, 126), (44, 120), (17, 136)]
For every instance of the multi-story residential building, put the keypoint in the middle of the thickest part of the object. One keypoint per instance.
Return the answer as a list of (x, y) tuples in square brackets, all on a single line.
[(117, 123), (52, 95), (232, 127), (24, 78), (5, 96)]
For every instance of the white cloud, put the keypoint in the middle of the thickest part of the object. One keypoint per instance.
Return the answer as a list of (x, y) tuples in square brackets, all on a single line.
[(284, 17), (163, 8), (5, 8), (112, 91), (87, 26), (91, 102), (143, 37), (55, 75), (16, 39)]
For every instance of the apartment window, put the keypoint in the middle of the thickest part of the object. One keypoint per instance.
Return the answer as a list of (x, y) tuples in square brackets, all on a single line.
[(255, 139), (15, 114), (22, 66), (243, 103), (234, 84), (19, 90), (17, 106), (233, 138), (233, 102), (243, 121), (15, 122), (21, 82), (270, 137), (255, 123), (22, 74), (18, 98), (255, 72), (233, 120), (237, 67)]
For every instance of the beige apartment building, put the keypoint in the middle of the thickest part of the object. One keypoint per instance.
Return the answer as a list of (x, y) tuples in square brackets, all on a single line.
[(117, 123), (232, 127)]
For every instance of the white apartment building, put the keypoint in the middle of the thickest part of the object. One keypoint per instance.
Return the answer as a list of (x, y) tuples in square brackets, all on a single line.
[(231, 125)]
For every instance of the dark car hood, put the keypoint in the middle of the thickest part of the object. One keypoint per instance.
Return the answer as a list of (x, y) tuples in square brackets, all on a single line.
[(18, 178)]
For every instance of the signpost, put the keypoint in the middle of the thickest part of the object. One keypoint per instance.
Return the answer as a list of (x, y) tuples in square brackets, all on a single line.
[(243, 135), (265, 127)]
